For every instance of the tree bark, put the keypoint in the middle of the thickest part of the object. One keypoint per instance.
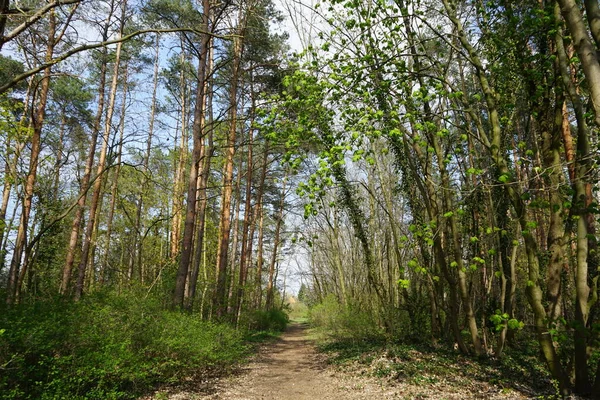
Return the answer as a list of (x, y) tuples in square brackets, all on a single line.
[(259, 212), (198, 134), (585, 49), (276, 241), (37, 122), (96, 195), (136, 253), (592, 10), (85, 181), (225, 218)]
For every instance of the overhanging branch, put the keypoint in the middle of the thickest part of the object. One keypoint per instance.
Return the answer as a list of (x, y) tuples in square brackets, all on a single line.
[(93, 46)]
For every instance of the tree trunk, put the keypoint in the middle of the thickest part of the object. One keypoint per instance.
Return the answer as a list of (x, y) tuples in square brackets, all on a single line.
[(246, 250), (136, 253), (177, 199), (198, 133), (592, 11), (96, 195), (4, 7), (276, 241), (200, 256), (585, 49), (225, 218), (259, 212), (236, 234), (85, 181), (38, 122), (115, 184)]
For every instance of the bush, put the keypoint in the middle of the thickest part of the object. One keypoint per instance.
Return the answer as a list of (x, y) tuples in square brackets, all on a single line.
[(344, 322), (106, 347), (270, 320)]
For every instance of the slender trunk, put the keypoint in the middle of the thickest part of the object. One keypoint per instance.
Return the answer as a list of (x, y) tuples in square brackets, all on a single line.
[(585, 49), (551, 149), (59, 154), (236, 234), (85, 181), (248, 218), (136, 253), (201, 221), (9, 177), (200, 256), (276, 242), (38, 122), (115, 184), (579, 183), (198, 133), (177, 199), (261, 218), (96, 195), (225, 218)]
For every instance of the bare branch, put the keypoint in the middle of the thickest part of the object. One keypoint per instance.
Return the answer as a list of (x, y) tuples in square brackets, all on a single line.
[(92, 46), (39, 14)]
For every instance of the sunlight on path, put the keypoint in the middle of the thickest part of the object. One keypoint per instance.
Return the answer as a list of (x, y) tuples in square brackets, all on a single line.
[(290, 369)]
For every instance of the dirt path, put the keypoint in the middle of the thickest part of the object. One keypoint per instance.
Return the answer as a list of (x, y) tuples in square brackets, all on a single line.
[(291, 369)]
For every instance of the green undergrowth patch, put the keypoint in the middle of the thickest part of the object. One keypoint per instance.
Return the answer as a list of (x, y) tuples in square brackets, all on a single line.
[(108, 346), (265, 325), (519, 370), (274, 320), (257, 337)]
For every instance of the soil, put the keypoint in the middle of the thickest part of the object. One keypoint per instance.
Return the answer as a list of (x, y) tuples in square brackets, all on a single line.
[(291, 369)]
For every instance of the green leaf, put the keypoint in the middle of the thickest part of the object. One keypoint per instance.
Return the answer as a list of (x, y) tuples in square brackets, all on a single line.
[(404, 283)]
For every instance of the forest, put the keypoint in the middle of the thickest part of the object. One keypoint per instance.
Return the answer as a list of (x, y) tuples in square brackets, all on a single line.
[(430, 165)]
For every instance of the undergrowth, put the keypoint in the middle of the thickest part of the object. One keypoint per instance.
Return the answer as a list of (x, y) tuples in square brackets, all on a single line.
[(418, 364), (107, 347), (351, 339)]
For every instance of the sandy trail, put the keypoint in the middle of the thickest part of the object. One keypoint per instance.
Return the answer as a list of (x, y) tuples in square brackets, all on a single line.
[(290, 369)]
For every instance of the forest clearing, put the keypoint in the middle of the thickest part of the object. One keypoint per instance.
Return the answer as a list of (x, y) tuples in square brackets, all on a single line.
[(417, 179)]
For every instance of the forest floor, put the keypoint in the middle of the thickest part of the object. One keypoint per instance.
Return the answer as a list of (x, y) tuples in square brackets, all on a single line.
[(292, 368)]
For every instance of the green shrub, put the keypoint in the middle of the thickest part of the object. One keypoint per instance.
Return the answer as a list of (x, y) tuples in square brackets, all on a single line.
[(269, 320), (344, 322), (106, 347)]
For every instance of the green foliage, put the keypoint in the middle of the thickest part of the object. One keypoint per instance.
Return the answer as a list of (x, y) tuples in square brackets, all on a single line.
[(269, 320), (298, 312), (498, 320), (106, 347), (9, 69), (345, 323)]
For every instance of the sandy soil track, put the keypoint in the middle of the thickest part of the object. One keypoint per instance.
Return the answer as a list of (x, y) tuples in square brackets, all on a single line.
[(291, 369)]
